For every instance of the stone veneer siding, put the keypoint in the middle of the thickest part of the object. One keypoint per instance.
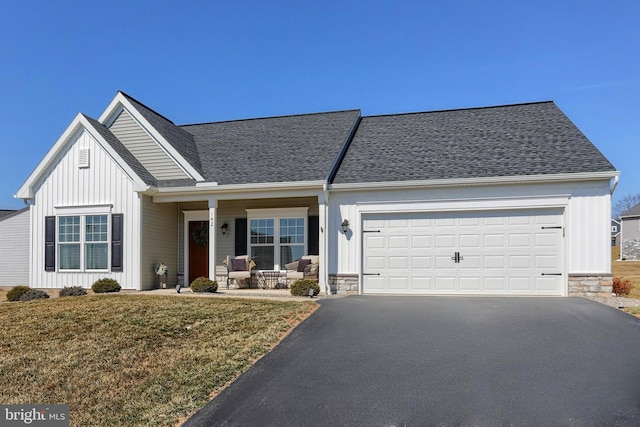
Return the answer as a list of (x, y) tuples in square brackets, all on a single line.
[(591, 285), (343, 284), (579, 285), (630, 249)]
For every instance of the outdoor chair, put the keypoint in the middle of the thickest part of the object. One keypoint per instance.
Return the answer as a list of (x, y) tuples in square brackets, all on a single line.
[(304, 268), (239, 270)]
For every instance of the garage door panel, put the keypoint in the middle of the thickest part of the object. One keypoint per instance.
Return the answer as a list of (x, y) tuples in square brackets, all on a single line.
[(520, 240), (446, 283), (494, 262), (469, 241), (494, 241), (470, 283), (398, 263), (399, 283), (421, 263), (419, 283), (501, 252), (374, 242), (399, 242), (445, 241), (421, 242), (373, 263)]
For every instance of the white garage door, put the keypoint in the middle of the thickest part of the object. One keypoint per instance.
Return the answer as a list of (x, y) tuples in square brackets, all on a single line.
[(492, 252)]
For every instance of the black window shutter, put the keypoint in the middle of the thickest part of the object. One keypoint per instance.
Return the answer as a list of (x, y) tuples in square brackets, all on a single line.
[(241, 236), (313, 231), (50, 243), (116, 242)]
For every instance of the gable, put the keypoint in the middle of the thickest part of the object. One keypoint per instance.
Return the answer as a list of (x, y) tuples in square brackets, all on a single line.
[(148, 152)]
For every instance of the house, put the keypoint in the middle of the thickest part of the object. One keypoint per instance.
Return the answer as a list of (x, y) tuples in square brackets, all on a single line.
[(14, 247), (506, 200), (630, 233), (615, 232)]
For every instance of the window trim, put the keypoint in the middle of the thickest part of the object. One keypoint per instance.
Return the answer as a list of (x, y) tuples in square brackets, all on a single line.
[(276, 215), (83, 242)]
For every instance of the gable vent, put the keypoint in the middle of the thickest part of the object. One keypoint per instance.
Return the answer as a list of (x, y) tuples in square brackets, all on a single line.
[(83, 160)]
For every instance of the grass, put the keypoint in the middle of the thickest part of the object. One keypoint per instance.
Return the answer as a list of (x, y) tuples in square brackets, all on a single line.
[(632, 310), (134, 360), (629, 270)]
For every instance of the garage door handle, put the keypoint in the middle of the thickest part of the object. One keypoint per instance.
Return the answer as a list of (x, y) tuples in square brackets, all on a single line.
[(370, 274), (552, 274)]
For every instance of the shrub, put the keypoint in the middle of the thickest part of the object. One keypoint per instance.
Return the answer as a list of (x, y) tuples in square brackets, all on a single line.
[(203, 284), (73, 291), (301, 287), (16, 292), (32, 294), (102, 286), (621, 287)]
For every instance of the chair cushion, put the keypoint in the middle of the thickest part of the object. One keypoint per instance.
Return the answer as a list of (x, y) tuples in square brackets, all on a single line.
[(315, 259), (302, 264), (238, 264)]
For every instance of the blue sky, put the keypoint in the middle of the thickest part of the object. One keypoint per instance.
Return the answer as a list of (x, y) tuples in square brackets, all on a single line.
[(204, 61)]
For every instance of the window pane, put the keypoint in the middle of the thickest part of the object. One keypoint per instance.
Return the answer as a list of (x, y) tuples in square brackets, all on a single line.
[(262, 231), (263, 257), (69, 257), (292, 230), (290, 253), (96, 228), (69, 229), (96, 256)]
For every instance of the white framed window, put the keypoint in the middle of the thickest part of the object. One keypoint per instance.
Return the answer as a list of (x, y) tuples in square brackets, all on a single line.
[(277, 236), (83, 242)]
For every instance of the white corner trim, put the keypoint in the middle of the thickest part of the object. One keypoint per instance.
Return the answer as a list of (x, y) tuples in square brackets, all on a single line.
[(118, 103)]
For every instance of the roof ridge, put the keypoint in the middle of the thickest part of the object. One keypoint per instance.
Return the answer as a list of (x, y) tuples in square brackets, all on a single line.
[(487, 107), (131, 98), (271, 117)]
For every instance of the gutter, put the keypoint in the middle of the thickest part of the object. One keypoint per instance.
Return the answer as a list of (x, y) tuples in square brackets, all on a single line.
[(460, 182)]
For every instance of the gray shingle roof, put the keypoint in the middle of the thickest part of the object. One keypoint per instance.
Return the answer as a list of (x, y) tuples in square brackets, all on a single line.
[(633, 211), (523, 139), (122, 151), (8, 213), (276, 149), (180, 140)]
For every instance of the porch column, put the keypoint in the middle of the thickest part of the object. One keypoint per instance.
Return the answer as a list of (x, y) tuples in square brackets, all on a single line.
[(323, 278), (213, 227)]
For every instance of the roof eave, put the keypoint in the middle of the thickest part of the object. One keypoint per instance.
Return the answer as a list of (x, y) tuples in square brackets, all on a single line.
[(457, 182)]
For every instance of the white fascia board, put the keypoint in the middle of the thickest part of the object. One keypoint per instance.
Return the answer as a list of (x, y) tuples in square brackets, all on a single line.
[(459, 182), (239, 191), (121, 101), (468, 204), (26, 190), (78, 123)]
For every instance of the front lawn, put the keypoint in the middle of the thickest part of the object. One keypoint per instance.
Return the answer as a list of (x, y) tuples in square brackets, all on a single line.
[(629, 270), (134, 360)]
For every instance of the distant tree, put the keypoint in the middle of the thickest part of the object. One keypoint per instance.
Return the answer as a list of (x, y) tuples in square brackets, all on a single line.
[(627, 202)]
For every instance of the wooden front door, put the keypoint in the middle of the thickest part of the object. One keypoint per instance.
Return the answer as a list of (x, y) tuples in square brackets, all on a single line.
[(198, 249)]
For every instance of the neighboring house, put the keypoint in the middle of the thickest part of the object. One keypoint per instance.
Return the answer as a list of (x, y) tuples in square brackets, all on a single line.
[(14, 247), (630, 233), (508, 200), (615, 232)]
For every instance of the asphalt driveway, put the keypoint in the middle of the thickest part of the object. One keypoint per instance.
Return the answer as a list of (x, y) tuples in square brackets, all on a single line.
[(393, 361)]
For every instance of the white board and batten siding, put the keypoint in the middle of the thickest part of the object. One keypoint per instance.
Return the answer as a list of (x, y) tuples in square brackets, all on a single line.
[(14, 249), (102, 186), (145, 148), (579, 247)]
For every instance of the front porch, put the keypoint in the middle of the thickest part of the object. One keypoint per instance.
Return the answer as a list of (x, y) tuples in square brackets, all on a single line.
[(273, 232)]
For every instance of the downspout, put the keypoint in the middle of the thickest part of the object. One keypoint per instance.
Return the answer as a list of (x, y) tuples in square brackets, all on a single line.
[(615, 184), (325, 238)]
